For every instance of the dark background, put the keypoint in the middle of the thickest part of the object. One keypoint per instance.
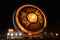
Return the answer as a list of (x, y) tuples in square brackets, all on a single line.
[(49, 7)]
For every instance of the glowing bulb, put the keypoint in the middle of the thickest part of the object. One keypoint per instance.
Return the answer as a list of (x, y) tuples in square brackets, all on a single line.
[(57, 34), (29, 34), (16, 34), (10, 30), (8, 34), (20, 34), (12, 34), (32, 17)]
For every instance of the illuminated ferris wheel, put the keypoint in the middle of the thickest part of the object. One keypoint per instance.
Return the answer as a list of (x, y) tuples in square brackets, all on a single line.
[(29, 19)]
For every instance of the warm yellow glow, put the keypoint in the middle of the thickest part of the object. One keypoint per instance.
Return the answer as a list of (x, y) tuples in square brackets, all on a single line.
[(29, 34), (57, 34), (22, 28), (32, 17), (10, 30)]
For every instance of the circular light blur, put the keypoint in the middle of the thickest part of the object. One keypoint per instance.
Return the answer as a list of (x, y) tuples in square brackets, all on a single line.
[(8, 34), (20, 34), (57, 34), (10, 30), (32, 18), (41, 37), (12, 34), (16, 34)]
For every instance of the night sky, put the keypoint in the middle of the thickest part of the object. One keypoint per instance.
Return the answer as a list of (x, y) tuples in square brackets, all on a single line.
[(50, 8)]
